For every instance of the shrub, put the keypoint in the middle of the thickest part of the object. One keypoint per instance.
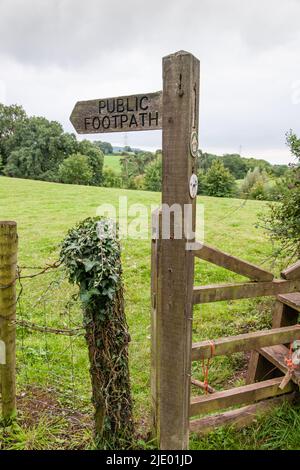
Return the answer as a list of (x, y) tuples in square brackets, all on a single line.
[(219, 181), (139, 182), (95, 159), (153, 175), (111, 179), (253, 186), (259, 185), (283, 220), (76, 170)]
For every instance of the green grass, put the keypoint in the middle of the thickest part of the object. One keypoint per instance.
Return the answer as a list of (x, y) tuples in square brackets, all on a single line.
[(44, 212), (112, 162)]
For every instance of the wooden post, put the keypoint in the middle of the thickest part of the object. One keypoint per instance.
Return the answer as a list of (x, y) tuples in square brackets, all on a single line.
[(175, 262), (8, 270), (155, 254)]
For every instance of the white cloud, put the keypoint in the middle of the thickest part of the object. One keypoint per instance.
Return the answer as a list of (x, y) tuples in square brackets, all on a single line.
[(55, 52)]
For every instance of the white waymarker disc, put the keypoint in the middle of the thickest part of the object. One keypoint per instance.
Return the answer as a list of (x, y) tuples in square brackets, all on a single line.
[(193, 186)]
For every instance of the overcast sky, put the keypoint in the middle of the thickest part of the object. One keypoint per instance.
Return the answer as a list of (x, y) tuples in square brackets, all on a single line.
[(56, 52)]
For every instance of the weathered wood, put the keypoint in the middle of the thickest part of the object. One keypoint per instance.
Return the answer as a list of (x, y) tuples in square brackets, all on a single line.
[(238, 396), (277, 355), (120, 114), (240, 417), (219, 292), (292, 272), (202, 385), (232, 263), (244, 342), (155, 253), (292, 300), (8, 273), (176, 267)]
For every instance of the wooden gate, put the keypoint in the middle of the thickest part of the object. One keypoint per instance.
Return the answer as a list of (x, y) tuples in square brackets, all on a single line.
[(173, 292), (269, 374)]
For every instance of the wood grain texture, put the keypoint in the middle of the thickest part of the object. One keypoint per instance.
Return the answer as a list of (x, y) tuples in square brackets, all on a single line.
[(244, 342), (176, 267), (8, 273), (119, 114), (219, 292), (240, 417), (155, 255), (232, 263), (238, 396), (291, 300), (292, 272)]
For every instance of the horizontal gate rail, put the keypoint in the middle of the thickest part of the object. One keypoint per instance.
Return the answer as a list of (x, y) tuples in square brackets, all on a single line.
[(239, 417), (238, 396), (244, 342), (245, 290)]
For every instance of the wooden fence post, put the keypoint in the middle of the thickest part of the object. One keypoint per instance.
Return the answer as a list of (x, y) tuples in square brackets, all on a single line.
[(8, 271), (176, 263)]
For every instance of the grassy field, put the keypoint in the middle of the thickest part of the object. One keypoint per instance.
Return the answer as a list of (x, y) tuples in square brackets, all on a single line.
[(112, 162), (50, 384)]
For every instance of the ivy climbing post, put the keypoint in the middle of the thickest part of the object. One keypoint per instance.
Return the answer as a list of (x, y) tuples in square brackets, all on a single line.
[(92, 256)]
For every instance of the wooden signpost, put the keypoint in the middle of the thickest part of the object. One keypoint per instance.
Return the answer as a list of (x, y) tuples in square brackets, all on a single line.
[(120, 114), (174, 110)]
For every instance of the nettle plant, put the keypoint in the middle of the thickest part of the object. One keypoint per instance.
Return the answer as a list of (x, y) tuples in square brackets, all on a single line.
[(92, 256)]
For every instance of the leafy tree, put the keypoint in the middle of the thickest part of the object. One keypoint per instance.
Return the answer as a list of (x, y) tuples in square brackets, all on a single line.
[(205, 160), (236, 165), (279, 170), (134, 164), (37, 148), (96, 159), (263, 165), (219, 181), (239, 166), (10, 116), (201, 181), (153, 175), (283, 219), (105, 147), (254, 179), (76, 170)]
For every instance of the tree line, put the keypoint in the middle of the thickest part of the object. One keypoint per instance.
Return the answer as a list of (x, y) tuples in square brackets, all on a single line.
[(36, 148)]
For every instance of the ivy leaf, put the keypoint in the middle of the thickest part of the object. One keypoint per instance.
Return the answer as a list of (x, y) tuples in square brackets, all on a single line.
[(89, 264)]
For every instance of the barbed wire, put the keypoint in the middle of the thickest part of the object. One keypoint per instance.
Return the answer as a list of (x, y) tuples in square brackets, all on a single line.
[(45, 329), (48, 323)]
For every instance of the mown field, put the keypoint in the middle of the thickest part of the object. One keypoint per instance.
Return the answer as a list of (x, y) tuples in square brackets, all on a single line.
[(112, 162), (51, 385)]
